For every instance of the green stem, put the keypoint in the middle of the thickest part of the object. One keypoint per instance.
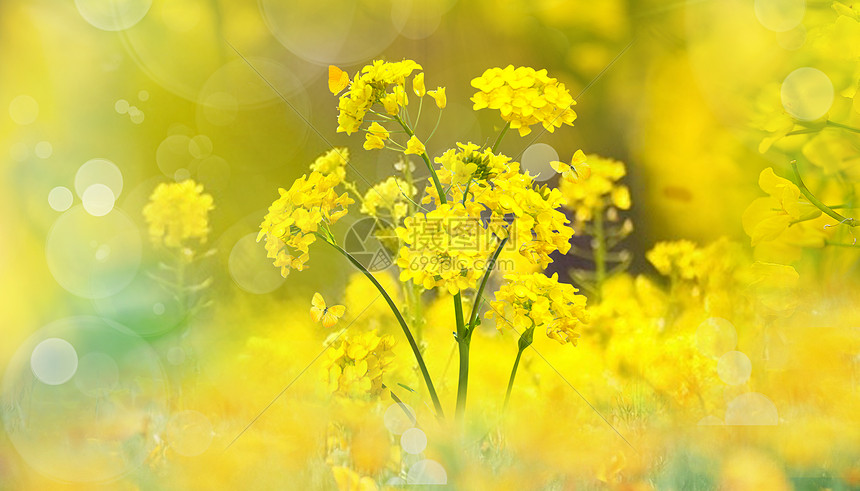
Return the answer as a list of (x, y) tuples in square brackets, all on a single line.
[(511, 380), (466, 192), (400, 320), (818, 204), (840, 244), (462, 334), (524, 342), (501, 135), (438, 185), (479, 294), (463, 341), (843, 126)]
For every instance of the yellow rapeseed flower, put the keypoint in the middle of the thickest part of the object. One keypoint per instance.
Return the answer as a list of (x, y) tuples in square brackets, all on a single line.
[(370, 86), (375, 137), (390, 195), (595, 188), (446, 247), (524, 96), (178, 212), (414, 146), (354, 365), (537, 300), (439, 96), (680, 258), (295, 217), (332, 162)]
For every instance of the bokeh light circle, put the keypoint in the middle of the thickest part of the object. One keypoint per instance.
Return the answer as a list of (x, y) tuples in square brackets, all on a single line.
[(330, 31), (60, 198), (113, 15), (174, 153), (99, 171), (189, 433), (413, 441), (792, 39), (54, 361), (807, 93), (427, 472), (93, 257), (418, 19), (219, 108), (536, 161), (23, 110), (98, 200), (251, 269), (715, 336), (43, 150), (399, 417), (734, 368), (780, 15), (710, 421), (100, 425), (752, 409)]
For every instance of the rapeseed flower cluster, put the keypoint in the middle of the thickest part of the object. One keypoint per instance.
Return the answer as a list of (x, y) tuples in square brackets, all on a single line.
[(515, 208), (178, 212), (598, 190), (680, 258), (391, 195), (524, 97), (332, 162), (354, 365), (381, 82), (446, 247), (297, 215), (536, 300)]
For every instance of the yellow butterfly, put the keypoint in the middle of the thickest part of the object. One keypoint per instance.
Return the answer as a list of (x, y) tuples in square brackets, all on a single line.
[(327, 315), (337, 79)]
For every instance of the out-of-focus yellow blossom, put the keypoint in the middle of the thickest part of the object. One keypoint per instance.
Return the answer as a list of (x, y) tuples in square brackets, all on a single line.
[(354, 365), (680, 258), (749, 470), (767, 218), (414, 146), (774, 286), (370, 86), (783, 223), (178, 212), (599, 189), (621, 197), (390, 194), (439, 96), (296, 215), (576, 171), (524, 96), (375, 137), (370, 446), (537, 300), (445, 247), (834, 152), (332, 162), (349, 480)]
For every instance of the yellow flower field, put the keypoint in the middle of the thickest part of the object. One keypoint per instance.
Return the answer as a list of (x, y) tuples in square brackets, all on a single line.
[(382, 245)]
